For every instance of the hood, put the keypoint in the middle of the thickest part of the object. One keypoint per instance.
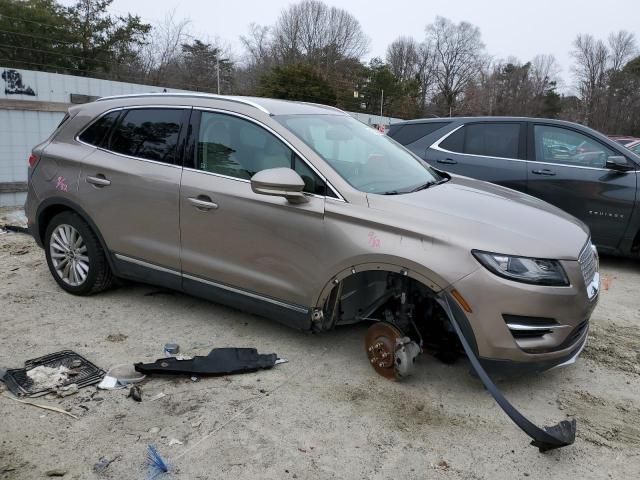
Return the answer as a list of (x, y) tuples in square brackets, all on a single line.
[(483, 216)]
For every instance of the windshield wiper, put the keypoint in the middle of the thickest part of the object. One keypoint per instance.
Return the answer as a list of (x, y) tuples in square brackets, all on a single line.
[(430, 184)]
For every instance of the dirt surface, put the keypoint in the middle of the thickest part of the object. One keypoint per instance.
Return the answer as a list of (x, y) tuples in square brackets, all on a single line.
[(325, 414)]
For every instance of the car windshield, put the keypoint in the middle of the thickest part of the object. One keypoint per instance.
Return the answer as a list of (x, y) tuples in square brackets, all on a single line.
[(369, 160)]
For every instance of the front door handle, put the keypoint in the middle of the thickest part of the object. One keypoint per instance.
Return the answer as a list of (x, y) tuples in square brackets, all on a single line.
[(544, 171), (99, 181), (447, 161), (202, 202)]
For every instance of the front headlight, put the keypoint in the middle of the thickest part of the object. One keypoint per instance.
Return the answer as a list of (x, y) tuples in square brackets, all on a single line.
[(537, 271)]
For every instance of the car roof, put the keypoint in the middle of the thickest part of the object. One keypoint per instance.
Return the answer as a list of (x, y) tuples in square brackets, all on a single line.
[(269, 106), (485, 119)]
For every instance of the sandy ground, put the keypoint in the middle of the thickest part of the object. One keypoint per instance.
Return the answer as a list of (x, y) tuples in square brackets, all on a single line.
[(325, 414)]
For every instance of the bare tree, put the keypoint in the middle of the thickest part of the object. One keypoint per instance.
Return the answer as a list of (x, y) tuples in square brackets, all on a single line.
[(590, 70), (164, 46), (317, 33), (403, 58), (258, 45), (427, 68), (459, 53), (545, 72), (622, 46)]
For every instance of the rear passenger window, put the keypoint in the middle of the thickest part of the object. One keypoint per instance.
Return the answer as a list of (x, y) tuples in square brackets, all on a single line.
[(149, 133), (486, 139), (410, 132), (95, 134)]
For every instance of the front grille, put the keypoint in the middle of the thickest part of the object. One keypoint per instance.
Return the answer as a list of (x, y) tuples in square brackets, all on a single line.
[(588, 260)]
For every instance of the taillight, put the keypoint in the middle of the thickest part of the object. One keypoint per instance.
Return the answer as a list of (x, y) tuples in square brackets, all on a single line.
[(33, 159)]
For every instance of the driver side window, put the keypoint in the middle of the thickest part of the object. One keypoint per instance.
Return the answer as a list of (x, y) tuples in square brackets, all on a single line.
[(568, 147), (235, 147)]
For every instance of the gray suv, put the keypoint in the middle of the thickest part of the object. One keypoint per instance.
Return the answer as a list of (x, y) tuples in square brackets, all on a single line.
[(568, 165), (300, 213)]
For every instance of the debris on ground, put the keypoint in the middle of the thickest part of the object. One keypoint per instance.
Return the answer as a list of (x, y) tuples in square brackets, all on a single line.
[(103, 463), (171, 349), (135, 393), (48, 378), (45, 407), (220, 361), (56, 472), (156, 463), (67, 390), (14, 221), (120, 376), (116, 337), (51, 372), (175, 441)]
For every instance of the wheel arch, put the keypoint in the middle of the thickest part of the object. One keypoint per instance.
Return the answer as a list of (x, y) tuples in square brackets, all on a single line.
[(424, 276), (51, 207)]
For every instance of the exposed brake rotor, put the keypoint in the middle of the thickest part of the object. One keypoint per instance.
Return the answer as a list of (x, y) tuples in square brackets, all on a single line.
[(380, 343)]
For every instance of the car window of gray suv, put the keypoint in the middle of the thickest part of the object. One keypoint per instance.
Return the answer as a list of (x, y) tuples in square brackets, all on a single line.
[(148, 133), (565, 146), (412, 132), (486, 139), (235, 147)]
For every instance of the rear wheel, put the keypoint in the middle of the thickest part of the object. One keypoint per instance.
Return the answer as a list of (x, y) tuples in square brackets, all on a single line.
[(75, 257)]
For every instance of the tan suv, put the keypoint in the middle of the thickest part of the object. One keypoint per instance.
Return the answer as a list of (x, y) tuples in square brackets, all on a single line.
[(300, 213)]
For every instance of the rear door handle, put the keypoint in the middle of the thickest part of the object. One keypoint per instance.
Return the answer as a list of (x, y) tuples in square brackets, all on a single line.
[(202, 202), (447, 161), (544, 171), (99, 181)]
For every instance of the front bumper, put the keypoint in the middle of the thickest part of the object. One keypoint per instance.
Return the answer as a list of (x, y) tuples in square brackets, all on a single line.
[(494, 300)]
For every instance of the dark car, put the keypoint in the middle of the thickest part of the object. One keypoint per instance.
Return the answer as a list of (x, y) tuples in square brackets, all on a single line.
[(571, 166)]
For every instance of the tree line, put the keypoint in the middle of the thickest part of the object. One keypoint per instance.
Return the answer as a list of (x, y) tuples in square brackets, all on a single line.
[(314, 52)]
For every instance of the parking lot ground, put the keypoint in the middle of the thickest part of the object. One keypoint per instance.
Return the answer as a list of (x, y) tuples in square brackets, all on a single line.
[(325, 414)]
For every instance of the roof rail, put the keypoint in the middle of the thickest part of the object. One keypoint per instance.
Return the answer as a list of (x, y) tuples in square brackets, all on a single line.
[(195, 95), (328, 107)]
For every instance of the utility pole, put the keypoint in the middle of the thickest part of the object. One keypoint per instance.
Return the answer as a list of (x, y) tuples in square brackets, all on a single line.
[(381, 103), (218, 71)]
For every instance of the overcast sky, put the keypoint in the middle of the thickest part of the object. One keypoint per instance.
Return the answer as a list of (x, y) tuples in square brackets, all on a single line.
[(509, 28)]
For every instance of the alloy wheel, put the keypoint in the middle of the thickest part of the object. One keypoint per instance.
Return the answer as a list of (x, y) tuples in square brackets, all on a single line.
[(69, 255)]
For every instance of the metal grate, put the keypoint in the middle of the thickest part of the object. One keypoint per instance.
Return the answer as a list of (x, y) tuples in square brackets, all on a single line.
[(588, 261), (83, 372)]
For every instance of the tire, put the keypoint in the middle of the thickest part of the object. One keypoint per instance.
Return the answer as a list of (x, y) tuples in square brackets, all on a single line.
[(69, 242)]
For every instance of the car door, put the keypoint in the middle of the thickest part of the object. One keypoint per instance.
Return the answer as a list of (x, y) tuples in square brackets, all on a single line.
[(568, 168), (130, 185), (490, 151), (254, 246)]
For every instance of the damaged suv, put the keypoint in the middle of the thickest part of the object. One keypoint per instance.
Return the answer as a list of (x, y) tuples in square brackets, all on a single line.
[(300, 213)]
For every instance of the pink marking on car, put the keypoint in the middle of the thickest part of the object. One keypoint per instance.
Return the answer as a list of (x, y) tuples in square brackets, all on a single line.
[(61, 184), (374, 241)]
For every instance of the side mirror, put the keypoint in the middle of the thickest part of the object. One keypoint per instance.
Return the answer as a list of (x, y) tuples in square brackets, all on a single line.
[(617, 162), (280, 182)]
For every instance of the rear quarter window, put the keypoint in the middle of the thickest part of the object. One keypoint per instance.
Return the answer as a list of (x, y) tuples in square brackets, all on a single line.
[(411, 132), (97, 131), (487, 139)]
